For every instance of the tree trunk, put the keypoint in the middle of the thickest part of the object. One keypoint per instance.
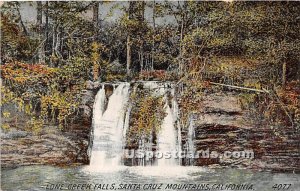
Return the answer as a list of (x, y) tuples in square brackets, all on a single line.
[(21, 21), (61, 41), (128, 44), (141, 58), (143, 10), (96, 13), (39, 16), (96, 67), (54, 41), (128, 65), (284, 74), (153, 36), (46, 28), (96, 18), (182, 47), (39, 21), (141, 36), (58, 41)]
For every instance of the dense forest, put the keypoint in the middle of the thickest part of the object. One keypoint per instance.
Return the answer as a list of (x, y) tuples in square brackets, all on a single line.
[(253, 47)]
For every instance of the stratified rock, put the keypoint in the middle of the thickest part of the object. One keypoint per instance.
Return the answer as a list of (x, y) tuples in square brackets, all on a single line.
[(51, 146), (223, 126), (220, 103)]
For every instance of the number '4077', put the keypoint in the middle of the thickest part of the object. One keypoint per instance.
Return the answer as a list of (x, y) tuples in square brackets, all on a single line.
[(281, 186)]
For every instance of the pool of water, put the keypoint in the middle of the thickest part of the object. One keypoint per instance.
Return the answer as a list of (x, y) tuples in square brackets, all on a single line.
[(143, 178)]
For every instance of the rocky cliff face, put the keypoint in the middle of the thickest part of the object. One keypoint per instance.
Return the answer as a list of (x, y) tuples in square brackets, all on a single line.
[(51, 146), (222, 126)]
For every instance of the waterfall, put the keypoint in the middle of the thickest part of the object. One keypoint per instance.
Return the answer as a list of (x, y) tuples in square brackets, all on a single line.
[(167, 139), (99, 105), (108, 127), (177, 123), (190, 141)]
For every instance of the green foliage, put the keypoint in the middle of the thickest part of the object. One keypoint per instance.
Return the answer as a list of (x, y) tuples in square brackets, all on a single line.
[(35, 125), (247, 99), (236, 43), (146, 116), (190, 100), (15, 43), (58, 107), (45, 94)]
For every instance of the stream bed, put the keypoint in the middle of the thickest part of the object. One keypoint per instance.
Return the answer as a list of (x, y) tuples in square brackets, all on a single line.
[(143, 178)]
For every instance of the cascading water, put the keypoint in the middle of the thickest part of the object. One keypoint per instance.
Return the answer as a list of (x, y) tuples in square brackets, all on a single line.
[(108, 127), (99, 105), (177, 124), (167, 139), (190, 142)]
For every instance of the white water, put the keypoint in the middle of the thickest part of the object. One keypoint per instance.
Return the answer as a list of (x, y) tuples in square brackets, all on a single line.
[(190, 141), (175, 108), (108, 127), (158, 88), (167, 139), (98, 107)]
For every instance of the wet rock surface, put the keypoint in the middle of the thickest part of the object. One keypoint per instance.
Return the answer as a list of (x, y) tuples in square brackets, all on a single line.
[(52, 146), (223, 126)]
